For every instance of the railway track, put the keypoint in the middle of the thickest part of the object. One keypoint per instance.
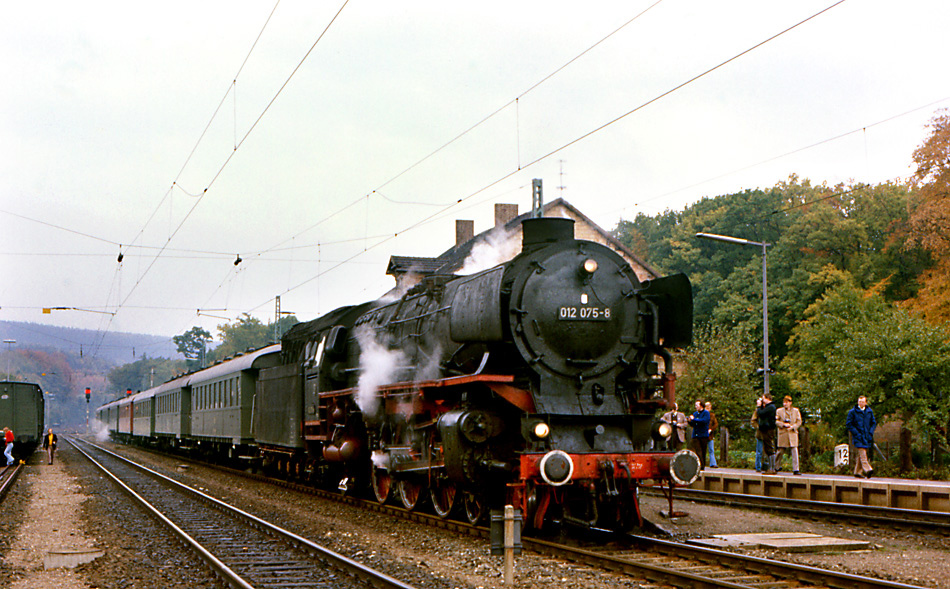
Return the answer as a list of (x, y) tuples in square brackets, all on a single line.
[(8, 477), (682, 565), (919, 520), (244, 551), (660, 562)]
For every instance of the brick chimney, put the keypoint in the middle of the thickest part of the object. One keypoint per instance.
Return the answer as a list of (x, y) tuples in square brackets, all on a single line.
[(464, 231), (505, 213)]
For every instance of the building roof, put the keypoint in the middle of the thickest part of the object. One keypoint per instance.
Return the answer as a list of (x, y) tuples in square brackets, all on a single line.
[(452, 260), (404, 264)]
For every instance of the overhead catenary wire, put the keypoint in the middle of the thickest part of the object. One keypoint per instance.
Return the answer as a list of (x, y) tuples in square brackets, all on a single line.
[(770, 159), (426, 220), (229, 157), (574, 141), (514, 101)]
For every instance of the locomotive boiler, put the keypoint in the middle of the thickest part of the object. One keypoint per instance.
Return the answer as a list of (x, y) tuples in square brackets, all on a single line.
[(535, 383)]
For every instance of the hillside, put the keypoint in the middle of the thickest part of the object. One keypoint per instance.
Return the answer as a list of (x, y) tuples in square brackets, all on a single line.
[(113, 348)]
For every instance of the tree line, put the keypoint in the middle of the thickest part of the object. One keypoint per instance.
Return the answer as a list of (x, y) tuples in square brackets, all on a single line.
[(244, 334), (858, 293)]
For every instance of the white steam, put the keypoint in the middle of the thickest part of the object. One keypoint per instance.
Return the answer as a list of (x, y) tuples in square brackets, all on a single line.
[(500, 245), (99, 430), (403, 284), (378, 366)]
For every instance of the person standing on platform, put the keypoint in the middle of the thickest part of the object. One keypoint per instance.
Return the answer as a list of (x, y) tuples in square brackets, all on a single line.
[(8, 439), (758, 439), (788, 419), (700, 422), (765, 413), (861, 424), (677, 420), (713, 427), (49, 444)]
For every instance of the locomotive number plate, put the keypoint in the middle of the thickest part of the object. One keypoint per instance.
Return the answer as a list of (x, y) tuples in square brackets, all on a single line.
[(583, 314)]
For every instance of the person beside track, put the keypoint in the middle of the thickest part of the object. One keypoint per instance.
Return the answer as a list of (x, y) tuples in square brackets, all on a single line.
[(861, 425), (8, 439), (765, 414), (700, 440), (788, 419)]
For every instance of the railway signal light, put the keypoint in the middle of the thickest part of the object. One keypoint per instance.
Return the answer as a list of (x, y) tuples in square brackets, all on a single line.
[(88, 392)]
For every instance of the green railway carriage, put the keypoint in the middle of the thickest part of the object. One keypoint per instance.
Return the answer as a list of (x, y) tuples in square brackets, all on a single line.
[(23, 410), (171, 423), (210, 409), (108, 416), (222, 399)]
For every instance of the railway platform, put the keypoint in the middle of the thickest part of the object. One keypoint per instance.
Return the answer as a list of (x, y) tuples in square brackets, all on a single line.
[(876, 492)]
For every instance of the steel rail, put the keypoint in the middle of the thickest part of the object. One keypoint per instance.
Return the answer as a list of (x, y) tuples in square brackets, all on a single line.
[(355, 569), (653, 572), (915, 518), (8, 478), (801, 573)]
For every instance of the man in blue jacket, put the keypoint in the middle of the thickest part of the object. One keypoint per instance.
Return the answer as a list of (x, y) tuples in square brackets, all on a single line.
[(700, 422), (861, 424)]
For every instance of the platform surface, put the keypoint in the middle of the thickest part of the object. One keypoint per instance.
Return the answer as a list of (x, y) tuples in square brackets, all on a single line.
[(785, 541), (838, 488)]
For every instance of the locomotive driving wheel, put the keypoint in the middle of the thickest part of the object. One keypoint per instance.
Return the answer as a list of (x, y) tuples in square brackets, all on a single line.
[(382, 484), (476, 507), (445, 496), (411, 493)]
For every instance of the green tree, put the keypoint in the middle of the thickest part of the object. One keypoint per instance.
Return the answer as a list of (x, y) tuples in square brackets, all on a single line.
[(719, 366), (246, 333), (853, 342), (142, 374), (193, 345)]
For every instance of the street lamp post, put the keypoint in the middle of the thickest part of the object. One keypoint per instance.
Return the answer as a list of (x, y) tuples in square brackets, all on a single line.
[(765, 298), (10, 343)]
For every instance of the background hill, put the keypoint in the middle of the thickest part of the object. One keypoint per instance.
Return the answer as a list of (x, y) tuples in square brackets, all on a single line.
[(113, 347), (65, 361)]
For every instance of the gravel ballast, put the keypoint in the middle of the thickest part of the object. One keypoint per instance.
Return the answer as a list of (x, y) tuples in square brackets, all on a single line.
[(140, 554)]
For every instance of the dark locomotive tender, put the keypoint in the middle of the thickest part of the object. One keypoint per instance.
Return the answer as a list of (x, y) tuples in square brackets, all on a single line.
[(23, 410), (533, 383)]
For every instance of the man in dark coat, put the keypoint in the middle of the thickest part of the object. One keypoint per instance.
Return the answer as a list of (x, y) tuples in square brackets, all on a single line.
[(700, 422), (765, 414), (861, 425), (49, 444)]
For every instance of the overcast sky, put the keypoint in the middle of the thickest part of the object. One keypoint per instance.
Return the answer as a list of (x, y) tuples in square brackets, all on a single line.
[(316, 174)]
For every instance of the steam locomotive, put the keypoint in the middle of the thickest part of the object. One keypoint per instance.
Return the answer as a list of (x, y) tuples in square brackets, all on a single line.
[(535, 383)]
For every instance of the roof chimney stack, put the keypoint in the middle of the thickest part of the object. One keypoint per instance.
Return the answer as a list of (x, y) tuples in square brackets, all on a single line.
[(464, 231), (505, 213)]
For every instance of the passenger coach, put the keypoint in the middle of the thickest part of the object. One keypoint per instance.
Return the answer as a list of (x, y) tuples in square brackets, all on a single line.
[(210, 410)]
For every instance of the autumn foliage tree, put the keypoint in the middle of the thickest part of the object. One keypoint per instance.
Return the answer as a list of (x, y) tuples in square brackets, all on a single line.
[(929, 225)]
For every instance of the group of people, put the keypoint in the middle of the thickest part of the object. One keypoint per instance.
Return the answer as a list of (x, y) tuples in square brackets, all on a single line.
[(771, 423), (703, 422), (49, 444), (776, 433)]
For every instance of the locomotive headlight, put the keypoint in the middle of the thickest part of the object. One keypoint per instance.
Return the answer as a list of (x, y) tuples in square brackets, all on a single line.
[(541, 430), (660, 430), (590, 265)]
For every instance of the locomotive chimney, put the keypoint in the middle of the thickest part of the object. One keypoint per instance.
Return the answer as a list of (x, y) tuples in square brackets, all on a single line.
[(504, 213), (464, 231), (541, 230)]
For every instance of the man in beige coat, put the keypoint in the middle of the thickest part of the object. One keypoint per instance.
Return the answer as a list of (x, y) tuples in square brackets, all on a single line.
[(787, 420), (677, 419)]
